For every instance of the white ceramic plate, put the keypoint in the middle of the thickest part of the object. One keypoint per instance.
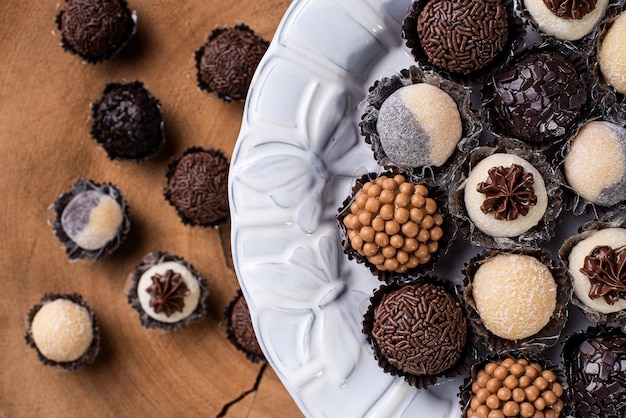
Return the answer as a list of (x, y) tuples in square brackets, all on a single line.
[(295, 161)]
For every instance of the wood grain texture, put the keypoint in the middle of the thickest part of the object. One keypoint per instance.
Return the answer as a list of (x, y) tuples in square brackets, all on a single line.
[(45, 97)]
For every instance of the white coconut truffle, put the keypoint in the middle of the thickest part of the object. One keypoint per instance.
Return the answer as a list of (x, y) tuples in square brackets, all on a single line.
[(612, 54), (612, 237), (486, 222), (563, 28)]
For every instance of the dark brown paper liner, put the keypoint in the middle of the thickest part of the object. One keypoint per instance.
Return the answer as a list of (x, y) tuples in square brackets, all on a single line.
[(549, 335), (610, 94), (517, 36), (130, 32), (449, 228), (74, 252), (419, 382), (385, 87), (96, 133), (153, 259), (465, 390), (578, 62), (200, 51), (92, 351), (230, 334), (170, 172), (541, 232), (617, 319)]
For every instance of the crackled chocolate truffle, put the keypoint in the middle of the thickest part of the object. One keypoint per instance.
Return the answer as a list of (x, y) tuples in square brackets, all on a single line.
[(539, 97), (567, 20), (462, 36), (612, 54), (95, 29), (197, 187), (63, 330), (515, 295), (595, 166), (239, 328), (227, 61), (91, 219), (167, 292), (505, 195), (418, 329), (419, 125), (127, 122)]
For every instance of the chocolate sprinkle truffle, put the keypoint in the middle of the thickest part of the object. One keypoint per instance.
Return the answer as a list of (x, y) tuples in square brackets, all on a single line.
[(95, 29), (127, 122), (568, 20), (612, 54), (63, 330), (239, 328), (91, 219), (197, 187), (539, 97), (227, 61)]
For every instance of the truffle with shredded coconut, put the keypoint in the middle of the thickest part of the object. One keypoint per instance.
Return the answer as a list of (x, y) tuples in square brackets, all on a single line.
[(612, 54)]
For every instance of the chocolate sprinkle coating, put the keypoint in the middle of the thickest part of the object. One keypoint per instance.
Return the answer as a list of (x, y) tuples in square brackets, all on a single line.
[(227, 61), (539, 97), (239, 329), (197, 187), (127, 122)]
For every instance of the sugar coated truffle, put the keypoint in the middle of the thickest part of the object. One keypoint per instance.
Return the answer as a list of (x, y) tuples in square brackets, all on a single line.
[(227, 61), (612, 54), (91, 219), (128, 122), (239, 328), (595, 166), (197, 187), (539, 97), (63, 330), (514, 294), (567, 20), (95, 29), (419, 125)]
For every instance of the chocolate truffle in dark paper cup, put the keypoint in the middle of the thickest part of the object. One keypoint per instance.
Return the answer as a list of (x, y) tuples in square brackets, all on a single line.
[(167, 292), (517, 299), (596, 260), (227, 61), (197, 187), (64, 331), (91, 220), (395, 224), (239, 329), (505, 196), (463, 40), (418, 121), (127, 122), (96, 30), (595, 364), (514, 386), (419, 331), (610, 69)]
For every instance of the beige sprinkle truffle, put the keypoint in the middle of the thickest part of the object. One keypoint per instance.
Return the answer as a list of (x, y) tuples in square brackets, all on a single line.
[(612, 54), (515, 295)]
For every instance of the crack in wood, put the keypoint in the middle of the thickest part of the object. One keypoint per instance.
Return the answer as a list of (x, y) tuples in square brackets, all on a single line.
[(225, 408)]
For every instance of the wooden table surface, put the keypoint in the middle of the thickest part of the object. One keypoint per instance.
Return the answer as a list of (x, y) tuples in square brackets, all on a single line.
[(45, 97)]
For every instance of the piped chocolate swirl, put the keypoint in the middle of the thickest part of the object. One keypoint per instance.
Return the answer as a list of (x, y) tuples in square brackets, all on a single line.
[(168, 292), (571, 9), (606, 269), (509, 192)]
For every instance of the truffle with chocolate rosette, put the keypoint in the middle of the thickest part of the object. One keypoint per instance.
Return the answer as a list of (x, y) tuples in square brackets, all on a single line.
[(64, 331), (91, 220), (168, 292), (95, 30), (239, 329), (611, 54), (418, 331), (128, 122), (197, 187), (227, 61)]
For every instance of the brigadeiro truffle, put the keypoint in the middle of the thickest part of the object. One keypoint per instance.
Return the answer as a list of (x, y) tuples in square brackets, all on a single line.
[(96, 30), (611, 54), (197, 187), (168, 292), (418, 121), (63, 330), (91, 220), (227, 61), (595, 364), (418, 330), (128, 122), (239, 329)]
